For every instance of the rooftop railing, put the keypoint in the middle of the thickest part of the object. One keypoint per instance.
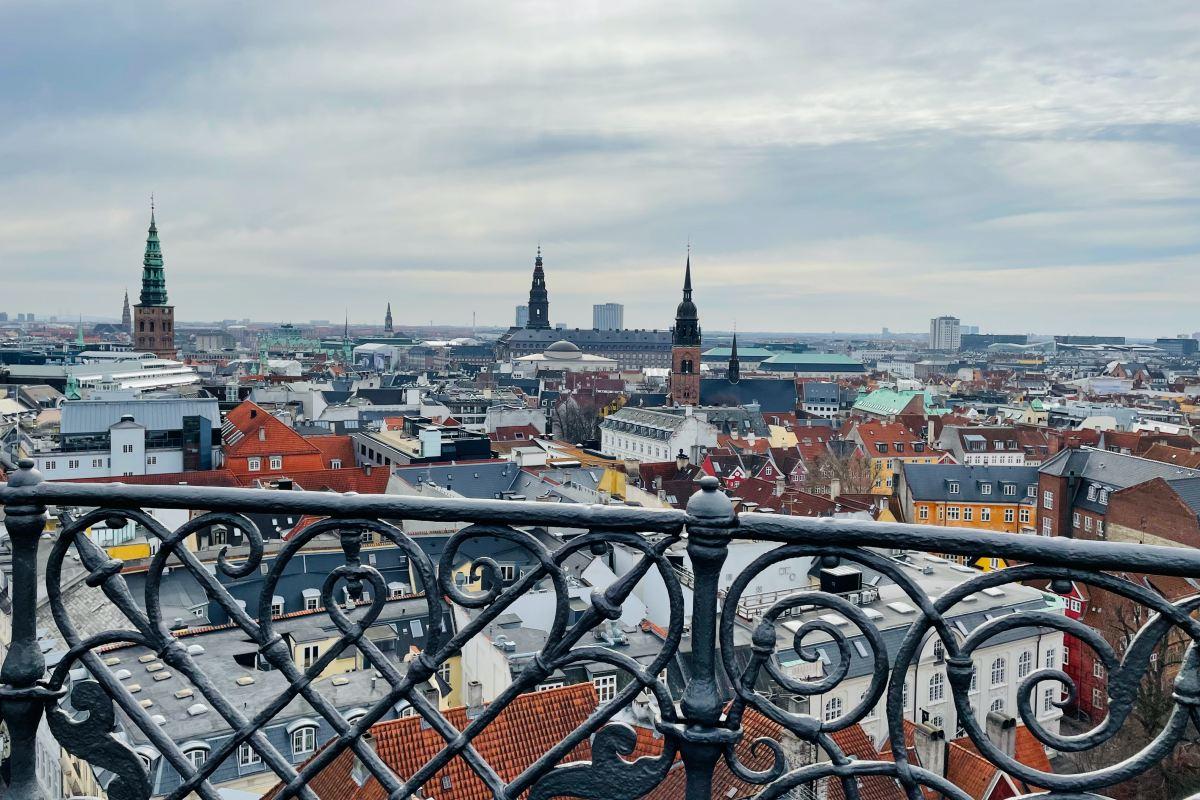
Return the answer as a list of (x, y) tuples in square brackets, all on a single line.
[(92, 714)]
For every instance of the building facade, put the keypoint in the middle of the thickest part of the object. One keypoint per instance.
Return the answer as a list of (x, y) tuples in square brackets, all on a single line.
[(945, 333), (685, 347), (608, 316)]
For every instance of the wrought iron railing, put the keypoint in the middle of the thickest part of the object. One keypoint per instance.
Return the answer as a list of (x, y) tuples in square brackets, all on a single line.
[(87, 713)]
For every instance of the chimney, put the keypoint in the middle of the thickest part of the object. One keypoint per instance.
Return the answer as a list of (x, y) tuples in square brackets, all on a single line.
[(835, 487), (779, 486), (930, 745), (474, 699), (1001, 729), (360, 774), (681, 460)]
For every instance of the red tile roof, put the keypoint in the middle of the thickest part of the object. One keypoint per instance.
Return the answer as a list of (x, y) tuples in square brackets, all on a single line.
[(210, 477), (249, 419), (334, 447), (347, 479), (527, 728)]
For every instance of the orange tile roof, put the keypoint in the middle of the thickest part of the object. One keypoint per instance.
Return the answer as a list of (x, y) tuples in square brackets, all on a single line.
[(346, 479), (527, 728), (276, 438), (331, 447), (200, 477)]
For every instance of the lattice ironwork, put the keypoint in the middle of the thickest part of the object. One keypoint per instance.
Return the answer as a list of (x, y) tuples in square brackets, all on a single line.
[(702, 730)]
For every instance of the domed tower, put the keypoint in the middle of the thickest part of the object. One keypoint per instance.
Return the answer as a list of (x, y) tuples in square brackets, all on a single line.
[(539, 298), (685, 347)]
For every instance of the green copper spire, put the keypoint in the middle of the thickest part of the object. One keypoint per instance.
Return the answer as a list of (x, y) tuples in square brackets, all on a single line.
[(154, 281)]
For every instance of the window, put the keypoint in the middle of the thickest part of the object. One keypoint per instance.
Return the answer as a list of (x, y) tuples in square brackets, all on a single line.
[(1104, 497), (197, 756), (1087, 523), (998, 704), (1024, 664), (1025, 516), (923, 512), (998, 669), (1091, 493), (1097, 698), (309, 655), (73, 463), (968, 513), (1047, 699), (1097, 669), (248, 756), (953, 487), (126, 448), (1075, 520), (974, 687), (1047, 499), (833, 708), (335, 463), (985, 488), (97, 462), (151, 460), (1031, 490), (304, 740), (1051, 658), (904, 694), (508, 572), (1046, 526), (1009, 515), (937, 687), (310, 603), (1066, 655), (939, 651), (545, 687), (276, 462), (937, 721), (254, 464), (985, 515), (606, 687), (952, 512), (443, 672), (1010, 490)]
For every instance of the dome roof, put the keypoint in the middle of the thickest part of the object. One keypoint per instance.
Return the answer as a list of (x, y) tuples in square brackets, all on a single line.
[(563, 349)]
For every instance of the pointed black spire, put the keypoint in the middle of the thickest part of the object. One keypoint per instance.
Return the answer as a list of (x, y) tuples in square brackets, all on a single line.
[(387, 320), (735, 366), (687, 319), (539, 298)]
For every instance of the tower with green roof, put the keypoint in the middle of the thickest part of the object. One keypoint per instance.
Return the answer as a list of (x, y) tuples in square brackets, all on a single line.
[(153, 317)]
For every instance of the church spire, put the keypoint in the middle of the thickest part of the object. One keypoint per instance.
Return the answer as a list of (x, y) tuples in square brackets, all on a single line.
[(387, 320), (687, 319), (734, 372), (154, 279), (539, 298), (126, 317)]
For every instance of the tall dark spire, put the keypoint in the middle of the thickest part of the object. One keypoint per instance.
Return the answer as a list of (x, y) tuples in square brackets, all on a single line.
[(539, 299), (387, 320), (734, 372), (154, 280), (126, 317), (686, 332)]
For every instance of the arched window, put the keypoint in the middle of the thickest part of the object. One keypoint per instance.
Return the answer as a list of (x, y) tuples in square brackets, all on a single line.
[(939, 650), (998, 704), (998, 670), (1024, 664), (196, 755), (304, 738), (937, 722), (248, 756), (937, 688), (833, 708)]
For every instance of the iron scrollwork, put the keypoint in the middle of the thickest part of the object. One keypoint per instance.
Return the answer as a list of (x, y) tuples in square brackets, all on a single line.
[(703, 732)]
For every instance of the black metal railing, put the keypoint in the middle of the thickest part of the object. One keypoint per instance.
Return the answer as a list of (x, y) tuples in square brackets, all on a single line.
[(91, 713)]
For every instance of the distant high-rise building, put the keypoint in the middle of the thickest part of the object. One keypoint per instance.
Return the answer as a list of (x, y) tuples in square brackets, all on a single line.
[(3, 316), (608, 316), (522, 317), (539, 298), (153, 317), (945, 333), (126, 316)]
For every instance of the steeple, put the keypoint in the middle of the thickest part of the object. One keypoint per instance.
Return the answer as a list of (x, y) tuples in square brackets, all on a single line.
[(734, 373), (387, 320), (126, 316), (539, 299), (154, 280), (686, 332)]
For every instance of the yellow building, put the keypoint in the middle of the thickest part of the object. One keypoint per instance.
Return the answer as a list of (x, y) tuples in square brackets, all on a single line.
[(887, 446)]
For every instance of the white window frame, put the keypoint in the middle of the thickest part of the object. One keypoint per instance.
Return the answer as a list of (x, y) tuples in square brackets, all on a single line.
[(276, 463), (1048, 499), (248, 756), (196, 756), (606, 687), (1010, 515), (309, 654), (999, 671), (304, 740), (833, 708), (937, 687), (1051, 658), (254, 464), (1024, 663)]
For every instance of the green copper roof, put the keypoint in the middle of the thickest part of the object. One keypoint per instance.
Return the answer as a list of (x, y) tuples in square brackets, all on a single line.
[(154, 280), (890, 401)]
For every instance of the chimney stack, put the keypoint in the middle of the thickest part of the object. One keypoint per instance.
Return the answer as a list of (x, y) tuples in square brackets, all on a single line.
[(1001, 729), (681, 460), (930, 744), (835, 488), (474, 699)]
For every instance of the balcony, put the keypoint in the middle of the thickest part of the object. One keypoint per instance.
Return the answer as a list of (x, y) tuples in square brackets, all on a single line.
[(706, 732)]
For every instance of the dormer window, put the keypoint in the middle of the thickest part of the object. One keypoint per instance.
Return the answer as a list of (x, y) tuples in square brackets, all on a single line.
[(985, 488), (1010, 490), (881, 447), (953, 488), (1104, 497), (899, 447), (1092, 493)]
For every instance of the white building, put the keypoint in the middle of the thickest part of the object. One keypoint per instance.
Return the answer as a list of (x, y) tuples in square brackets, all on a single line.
[(562, 356), (608, 316), (649, 435), (945, 333)]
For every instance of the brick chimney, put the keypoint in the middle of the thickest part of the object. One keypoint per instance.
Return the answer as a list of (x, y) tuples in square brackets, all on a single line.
[(930, 744), (1001, 730)]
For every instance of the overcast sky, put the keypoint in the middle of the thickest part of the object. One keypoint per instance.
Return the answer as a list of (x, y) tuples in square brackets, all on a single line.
[(836, 165)]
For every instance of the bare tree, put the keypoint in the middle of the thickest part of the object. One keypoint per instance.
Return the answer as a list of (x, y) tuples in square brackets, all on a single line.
[(575, 423), (852, 471)]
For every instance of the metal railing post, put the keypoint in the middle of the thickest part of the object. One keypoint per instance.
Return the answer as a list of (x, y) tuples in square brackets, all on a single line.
[(22, 695), (703, 739)]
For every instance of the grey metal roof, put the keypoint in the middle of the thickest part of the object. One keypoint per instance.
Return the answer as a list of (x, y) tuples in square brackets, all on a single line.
[(645, 417), (931, 482), (481, 481), (156, 413), (1115, 470)]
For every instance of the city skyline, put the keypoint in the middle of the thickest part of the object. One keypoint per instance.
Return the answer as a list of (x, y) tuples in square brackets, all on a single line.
[(1024, 164)]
